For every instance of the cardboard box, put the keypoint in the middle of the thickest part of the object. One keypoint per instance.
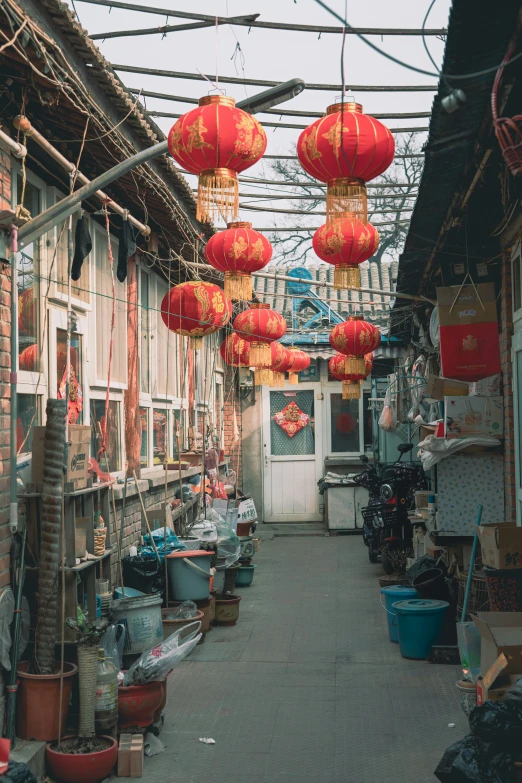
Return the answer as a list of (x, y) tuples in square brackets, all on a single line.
[(501, 632), (77, 459), (438, 388), (494, 684), (487, 387), (501, 545), (468, 417), (83, 525), (159, 517)]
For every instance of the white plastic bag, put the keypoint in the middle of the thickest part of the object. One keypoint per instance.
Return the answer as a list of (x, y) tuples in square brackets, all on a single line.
[(388, 417), (156, 664)]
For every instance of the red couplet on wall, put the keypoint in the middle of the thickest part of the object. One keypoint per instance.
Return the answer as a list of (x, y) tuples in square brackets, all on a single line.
[(469, 341)]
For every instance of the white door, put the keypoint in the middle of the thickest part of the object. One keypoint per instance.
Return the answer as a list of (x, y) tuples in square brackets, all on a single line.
[(517, 400), (292, 460)]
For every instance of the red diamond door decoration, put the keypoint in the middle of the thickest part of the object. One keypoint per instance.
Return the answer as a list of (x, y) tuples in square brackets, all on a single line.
[(291, 419)]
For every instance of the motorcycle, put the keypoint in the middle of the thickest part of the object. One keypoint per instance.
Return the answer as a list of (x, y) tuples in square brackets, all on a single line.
[(389, 533)]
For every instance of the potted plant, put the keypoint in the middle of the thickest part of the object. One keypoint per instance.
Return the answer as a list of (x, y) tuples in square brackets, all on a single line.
[(85, 758), (40, 714)]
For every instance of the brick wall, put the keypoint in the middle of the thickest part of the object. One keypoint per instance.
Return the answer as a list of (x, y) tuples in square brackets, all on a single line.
[(506, 334), (5, 361)]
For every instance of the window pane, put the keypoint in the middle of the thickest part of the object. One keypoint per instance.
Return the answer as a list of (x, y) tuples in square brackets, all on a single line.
[(159, 435), (517, 292), (76, 381), (28, 417), (113, 453), (165, 381), (28, 288), (344, 424), (302, 441), (145, 333), (178, 429), (104, 313), (144, 451)]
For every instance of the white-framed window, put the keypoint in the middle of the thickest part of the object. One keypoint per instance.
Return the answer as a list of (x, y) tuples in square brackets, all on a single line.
[(58, 258), (346, 420), (101, 332), (146, 334), (146, 436), (57, 344), (113, 459), (166, 351), (30, 406)]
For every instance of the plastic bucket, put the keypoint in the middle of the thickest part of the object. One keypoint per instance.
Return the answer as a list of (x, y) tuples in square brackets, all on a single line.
[(504, 589), (245, 575), (142, 620), (392, 594), (189, 575), (420, 623), (431, 585)]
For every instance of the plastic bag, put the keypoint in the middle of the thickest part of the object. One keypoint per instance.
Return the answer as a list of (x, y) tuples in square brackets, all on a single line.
[(470, 760), (17, 772), (172, 543), (229, 546), (185, 611), (113, 643), (499, 722), (388, 417), (156, 664), (7, 605), (143, 573)]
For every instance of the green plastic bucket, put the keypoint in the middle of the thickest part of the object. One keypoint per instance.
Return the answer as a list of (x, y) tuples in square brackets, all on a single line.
[(420, 623), (189, 575)]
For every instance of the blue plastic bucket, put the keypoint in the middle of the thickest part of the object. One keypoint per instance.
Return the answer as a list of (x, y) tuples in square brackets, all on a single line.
[(189, 575), (391, 595), (420, 623)]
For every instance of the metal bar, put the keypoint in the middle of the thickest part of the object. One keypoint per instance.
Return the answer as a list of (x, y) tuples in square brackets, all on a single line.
[(293, 197), (271, 25), (306, 184), (265, 83), (253, 208), (18, 150), (283, 112), (173, 28), (286, 229), (288, 124)]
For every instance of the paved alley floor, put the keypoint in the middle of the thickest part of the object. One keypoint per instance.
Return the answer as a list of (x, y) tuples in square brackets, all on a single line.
[(307, 688)]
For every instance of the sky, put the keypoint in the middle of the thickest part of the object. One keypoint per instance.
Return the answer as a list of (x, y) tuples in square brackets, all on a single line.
[(276, 55)]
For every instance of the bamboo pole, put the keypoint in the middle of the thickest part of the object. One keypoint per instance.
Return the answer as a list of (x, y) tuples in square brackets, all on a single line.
[(145, 517)]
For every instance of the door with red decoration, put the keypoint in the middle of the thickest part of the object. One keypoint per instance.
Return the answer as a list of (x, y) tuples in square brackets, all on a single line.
[(292, 454)]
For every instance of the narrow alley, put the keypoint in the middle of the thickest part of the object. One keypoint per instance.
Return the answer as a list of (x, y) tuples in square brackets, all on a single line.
[(307, 686)]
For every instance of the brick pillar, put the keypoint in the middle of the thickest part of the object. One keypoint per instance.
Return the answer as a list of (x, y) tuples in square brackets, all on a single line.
[(506, 335), (131, 394), (5, 363), (232, 423)]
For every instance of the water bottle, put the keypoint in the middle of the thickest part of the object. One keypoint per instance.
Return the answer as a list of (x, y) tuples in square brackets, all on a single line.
[(106, 705)]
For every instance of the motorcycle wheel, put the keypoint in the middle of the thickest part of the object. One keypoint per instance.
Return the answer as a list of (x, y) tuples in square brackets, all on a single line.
[(373, 557)]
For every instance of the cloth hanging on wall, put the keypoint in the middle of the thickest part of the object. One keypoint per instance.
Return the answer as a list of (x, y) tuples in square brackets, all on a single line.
[(126, 249), (82, 247)]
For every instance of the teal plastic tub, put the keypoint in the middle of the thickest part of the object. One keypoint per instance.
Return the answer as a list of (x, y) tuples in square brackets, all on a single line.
[(391, 595), (420, 623), (189, 575), (244, 576)]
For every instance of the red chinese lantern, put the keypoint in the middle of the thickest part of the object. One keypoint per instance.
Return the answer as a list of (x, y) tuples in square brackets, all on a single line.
[(260, 326), (300, 362), (238, 251), (354, 338), (345, 149), (351, 389), (281, 363), (235, 351), (195, 309), (216, 141), (346, 242)]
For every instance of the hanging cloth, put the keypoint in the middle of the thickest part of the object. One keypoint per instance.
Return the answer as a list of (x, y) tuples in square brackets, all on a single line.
[(82, 247), (126, 249)]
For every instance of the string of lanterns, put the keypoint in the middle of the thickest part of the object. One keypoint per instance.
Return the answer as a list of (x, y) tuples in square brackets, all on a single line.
[(344, 149)]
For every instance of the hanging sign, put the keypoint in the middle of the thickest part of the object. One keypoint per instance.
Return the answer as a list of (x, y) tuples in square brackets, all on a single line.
[(469, 341)]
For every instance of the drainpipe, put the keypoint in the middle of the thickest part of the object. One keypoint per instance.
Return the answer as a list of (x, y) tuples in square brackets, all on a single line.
[(18, 150), (13, 500)]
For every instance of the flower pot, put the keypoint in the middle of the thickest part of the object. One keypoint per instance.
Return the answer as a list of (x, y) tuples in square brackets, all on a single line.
[(468, 696), (203, 606), (157, 715), (227, 609), (137, 704), (169, 626), (39, 702), (243, 528), (431, 585), (83, 767), (245, 575)]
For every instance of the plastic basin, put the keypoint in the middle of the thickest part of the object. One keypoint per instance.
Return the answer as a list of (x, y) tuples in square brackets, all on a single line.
[(245, 575), (392, 594), (137, 704), (189, 575), (420, 623)]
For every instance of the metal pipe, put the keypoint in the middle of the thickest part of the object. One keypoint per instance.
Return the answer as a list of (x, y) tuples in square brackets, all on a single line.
[(13, 496), (18, 150), (13, 675), (70, 168), (321, 283)]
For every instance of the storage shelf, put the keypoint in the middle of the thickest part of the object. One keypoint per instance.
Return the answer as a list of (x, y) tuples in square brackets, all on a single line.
[(91, 561)]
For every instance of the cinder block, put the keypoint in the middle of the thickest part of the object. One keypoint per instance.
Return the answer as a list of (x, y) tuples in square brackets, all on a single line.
[(124, 755), (136, 756)]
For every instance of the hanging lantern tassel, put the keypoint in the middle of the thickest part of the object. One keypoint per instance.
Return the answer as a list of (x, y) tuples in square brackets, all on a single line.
[(238, 286), (293, 377), (218, 195), (260, 355), (278, 380), (343, 196), (346, 277), (354, 365), (196, 343), (263, 377), (351, 390)]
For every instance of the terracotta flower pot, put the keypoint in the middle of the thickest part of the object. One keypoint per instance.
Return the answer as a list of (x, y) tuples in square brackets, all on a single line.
[(138, 704), (157, 715), (169, 626), (83, 767), (39, 702), (227, 609)]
